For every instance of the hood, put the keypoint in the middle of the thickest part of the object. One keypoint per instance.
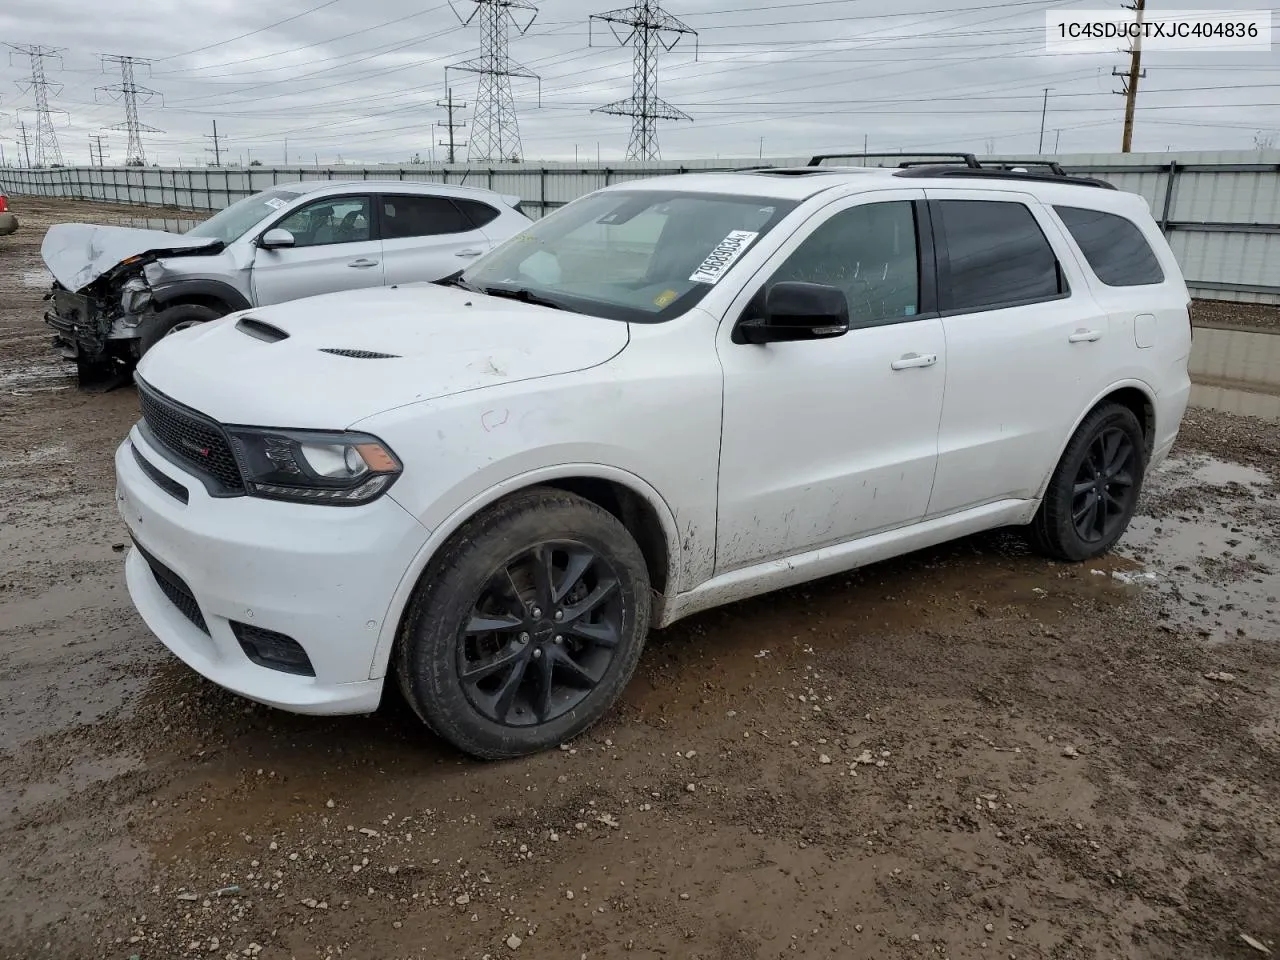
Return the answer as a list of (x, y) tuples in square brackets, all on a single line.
[(79, 253), (442, 341)]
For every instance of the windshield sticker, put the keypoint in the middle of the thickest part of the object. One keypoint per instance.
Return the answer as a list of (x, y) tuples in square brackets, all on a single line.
[(665, 298), (723, 256), (275, 203)]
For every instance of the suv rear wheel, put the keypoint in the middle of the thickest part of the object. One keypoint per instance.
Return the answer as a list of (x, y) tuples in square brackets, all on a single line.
[(527, 627), (1094, 490)]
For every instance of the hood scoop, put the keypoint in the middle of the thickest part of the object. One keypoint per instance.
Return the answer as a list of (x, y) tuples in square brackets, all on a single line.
[(359, 354), (261, 331)]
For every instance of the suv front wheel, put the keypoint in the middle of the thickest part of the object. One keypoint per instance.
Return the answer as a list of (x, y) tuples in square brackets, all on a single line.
[(1094, 490), (527, 626), (173, 320)]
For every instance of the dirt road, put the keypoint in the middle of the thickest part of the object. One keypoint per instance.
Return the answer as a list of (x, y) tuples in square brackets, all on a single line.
[(967, 753)]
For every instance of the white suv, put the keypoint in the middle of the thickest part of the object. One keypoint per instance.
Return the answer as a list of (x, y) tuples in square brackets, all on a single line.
[(668, 395)]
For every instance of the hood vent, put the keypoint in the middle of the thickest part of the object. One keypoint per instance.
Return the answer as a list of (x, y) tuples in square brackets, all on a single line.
[(359, 354), (261, 331)]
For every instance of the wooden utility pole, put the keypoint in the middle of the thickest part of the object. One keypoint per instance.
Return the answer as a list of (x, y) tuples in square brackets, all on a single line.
[(1130, 78), (216, 149), (25, 141)]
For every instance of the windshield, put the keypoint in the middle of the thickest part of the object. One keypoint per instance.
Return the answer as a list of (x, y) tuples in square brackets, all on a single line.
[(638, 255), (233, 222)]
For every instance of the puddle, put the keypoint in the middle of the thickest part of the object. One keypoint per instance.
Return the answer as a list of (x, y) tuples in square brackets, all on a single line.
[(1218, 565), (36, 279), (1245, 357), (1241, 402)]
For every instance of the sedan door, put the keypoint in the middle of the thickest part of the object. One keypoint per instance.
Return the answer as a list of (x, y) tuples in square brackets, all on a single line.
[(427, 237), (334, 248), (827, 441)]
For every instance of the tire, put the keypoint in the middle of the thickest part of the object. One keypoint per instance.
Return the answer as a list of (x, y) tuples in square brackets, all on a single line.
[(175, 318), (503, 709), (1075, 522)]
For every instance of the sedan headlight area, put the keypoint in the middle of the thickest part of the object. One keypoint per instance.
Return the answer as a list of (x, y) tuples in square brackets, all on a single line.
[(341, 469), (135, 296)]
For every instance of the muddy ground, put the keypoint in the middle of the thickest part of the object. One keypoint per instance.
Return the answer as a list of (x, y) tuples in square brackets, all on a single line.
[(965, 753)]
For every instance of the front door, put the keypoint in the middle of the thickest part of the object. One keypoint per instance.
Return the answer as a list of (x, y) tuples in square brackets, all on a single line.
[(335, 248), (830, 440)]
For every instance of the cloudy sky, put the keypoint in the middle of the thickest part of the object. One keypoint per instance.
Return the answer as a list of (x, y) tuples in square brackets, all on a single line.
[(360, 79)]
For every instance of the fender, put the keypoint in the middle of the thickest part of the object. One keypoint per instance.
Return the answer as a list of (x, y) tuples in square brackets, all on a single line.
[(1140, 385), (166, 293), (409, 582)]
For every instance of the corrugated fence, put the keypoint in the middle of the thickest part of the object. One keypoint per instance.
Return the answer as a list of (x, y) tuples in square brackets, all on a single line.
[(1220, 210)]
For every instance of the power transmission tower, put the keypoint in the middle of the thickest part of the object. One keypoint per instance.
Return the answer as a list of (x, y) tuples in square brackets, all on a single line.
[(129, 91), (651, 27), (495, 131), (1130, 77), (24, 139), (450, 107), (216, 149), (96, 151), (46, 139)]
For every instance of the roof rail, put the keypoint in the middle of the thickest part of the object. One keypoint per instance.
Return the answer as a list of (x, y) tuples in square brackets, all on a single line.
[(968, 159), (1000, 173), (1009, 164)]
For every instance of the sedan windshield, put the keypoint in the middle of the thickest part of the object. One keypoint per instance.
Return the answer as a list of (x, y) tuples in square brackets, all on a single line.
[(636, 255), (233, 222)]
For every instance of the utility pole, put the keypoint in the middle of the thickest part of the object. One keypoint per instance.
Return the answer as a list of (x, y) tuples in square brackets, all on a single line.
[(1044, 112), (128, 91), (1057, 139), (495, 130), (216, 149), (25, 140), (648, 28), (46, 139), (96, 151), (450, 107), (1130, 78)]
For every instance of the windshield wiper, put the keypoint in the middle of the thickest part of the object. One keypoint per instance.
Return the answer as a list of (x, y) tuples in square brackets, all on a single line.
[(524, 295), (455, 280)]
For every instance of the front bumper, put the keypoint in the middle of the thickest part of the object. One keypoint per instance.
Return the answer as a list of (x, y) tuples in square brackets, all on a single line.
[(8, 224), (323, 576)]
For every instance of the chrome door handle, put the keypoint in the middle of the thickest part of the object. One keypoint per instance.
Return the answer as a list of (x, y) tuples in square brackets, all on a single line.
[(1085, 336), (468, 253), (362, 263), (912, 360)]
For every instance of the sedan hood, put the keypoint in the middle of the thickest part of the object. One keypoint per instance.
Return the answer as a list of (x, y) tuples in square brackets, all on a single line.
[(79, 253), (306, 363)]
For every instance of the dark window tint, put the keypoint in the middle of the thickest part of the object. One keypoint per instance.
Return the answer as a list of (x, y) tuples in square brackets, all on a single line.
[(998, 255), (480, 213), (405, 216), (335, 220), (869, 252), (1114, 247)]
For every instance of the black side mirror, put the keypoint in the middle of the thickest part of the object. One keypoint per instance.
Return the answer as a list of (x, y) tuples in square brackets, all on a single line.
[(797, 311)]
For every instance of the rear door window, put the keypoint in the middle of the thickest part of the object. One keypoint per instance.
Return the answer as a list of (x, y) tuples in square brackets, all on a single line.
[(997, 256), (1114, 246), (414, 216)]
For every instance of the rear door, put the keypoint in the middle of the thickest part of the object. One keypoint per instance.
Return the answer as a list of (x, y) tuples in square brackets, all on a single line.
[(335, 248), (1028, 347), (426, 237)]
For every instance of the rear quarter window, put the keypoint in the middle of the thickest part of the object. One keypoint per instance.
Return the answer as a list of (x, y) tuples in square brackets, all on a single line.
[(1116, 250)]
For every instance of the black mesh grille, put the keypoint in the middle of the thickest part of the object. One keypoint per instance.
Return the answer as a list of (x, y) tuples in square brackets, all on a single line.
[(175, 589), (193, 438), (273, 650), (359, 354)]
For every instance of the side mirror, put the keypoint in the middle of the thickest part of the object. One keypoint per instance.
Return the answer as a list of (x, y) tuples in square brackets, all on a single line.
[(798, 311), (276, 239)]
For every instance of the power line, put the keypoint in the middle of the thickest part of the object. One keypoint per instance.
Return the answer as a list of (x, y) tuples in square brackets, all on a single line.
[(450, 107), (495, 129), (128, 91), (270, 26), (46, 138), (650, 27)]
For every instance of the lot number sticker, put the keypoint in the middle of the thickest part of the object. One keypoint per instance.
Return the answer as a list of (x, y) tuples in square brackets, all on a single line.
[(275, 203), (723, 256)]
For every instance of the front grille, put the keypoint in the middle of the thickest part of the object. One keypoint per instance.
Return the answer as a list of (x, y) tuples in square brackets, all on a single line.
[(160, 479), (196, 440), (174, 588), (272, 650)]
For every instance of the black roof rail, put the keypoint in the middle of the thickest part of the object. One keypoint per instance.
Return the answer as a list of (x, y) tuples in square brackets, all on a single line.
[(998, 173), (968, 159), (1007, 164)]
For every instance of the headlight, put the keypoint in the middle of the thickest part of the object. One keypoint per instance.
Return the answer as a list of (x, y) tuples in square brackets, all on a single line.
[(135, 296), (342, 469)]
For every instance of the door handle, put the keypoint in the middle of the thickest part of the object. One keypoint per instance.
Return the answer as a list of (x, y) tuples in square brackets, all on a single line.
[(912, 360), (362, 264), (468, 253), (1085, 336)]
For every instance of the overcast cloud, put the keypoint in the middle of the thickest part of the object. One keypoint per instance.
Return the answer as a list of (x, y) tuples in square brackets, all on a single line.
[(359, 79)]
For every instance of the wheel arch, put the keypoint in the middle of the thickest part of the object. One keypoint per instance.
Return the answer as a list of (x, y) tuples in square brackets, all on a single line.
[(214, 294), (1136, 395), (639, 507)]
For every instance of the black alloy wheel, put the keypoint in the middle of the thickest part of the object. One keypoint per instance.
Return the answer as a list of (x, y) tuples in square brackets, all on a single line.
[(1104, 486)]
